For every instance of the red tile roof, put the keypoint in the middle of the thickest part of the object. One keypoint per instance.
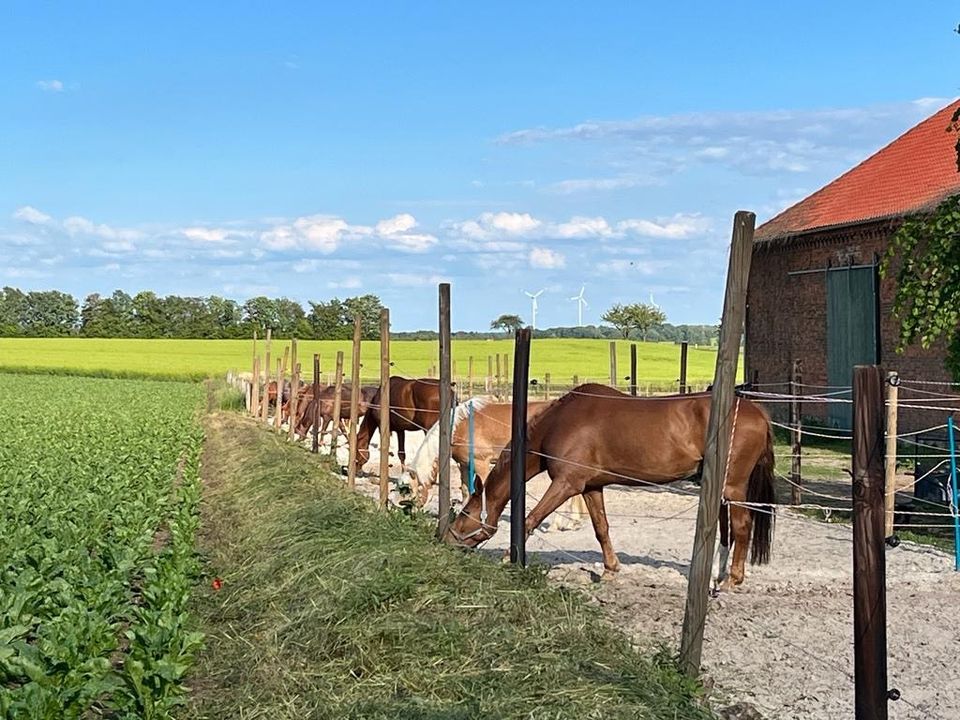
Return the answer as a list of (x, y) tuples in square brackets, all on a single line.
[(915, 171)]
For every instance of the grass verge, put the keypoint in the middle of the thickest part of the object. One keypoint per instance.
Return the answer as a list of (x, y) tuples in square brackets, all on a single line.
[(331, 609)]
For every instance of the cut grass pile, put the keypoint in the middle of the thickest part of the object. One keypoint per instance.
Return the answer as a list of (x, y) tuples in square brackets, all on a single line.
[(330, 608), (658, 363)]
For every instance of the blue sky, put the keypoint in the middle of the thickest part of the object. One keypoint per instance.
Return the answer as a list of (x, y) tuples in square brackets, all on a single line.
[(313, 150)]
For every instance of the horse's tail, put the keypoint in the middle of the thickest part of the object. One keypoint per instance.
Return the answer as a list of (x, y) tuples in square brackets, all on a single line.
[(760, 494)]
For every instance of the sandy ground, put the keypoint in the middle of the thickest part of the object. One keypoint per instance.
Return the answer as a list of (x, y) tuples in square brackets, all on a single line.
[(783, 641)]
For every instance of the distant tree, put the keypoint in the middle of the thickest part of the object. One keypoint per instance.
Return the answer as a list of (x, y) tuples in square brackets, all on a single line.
[(368, 307), (261, 312), (327, 320), (646, 317), (508, 323), (49, 313), (641, 317), (289, 313), (621, 318)]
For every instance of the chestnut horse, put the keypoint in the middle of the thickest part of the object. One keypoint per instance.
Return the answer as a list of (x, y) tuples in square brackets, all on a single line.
[(595, 436), (414, 405), (307, 407), (490, 433)]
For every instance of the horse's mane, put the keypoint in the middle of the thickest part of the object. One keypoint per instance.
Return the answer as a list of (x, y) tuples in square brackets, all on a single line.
[(428, 453)]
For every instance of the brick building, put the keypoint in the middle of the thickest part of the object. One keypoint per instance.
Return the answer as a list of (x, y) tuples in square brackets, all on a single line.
[(815, 293)]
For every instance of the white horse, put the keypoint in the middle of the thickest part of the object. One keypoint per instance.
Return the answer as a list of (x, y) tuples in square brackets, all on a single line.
[(491, 432)]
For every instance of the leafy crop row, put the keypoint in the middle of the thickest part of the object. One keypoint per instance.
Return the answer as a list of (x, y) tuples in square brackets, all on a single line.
[(99, 493)]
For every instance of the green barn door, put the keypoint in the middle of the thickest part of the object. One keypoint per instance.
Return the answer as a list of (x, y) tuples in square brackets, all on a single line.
[(851, 332)]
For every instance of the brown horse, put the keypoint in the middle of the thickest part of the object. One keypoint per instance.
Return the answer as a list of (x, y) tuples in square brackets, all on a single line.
[(490, 433), (595, 436), (414, 405), (327, 396)]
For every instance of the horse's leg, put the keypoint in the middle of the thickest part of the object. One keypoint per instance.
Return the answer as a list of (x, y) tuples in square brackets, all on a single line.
[(401, 449), (464, 481), (601, 528), (559, 491), (724, 543), (364, 437), (741, 523), (741, 519)]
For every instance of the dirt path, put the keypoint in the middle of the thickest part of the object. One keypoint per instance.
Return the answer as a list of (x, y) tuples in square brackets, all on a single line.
[(783, 642)]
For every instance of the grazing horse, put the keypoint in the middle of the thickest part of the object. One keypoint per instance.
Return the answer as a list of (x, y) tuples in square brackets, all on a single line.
[(595, 436), (327, 396), (490, 433), (414, 405)]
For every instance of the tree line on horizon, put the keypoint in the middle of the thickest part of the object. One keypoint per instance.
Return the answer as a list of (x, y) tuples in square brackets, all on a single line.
[(51, 313)]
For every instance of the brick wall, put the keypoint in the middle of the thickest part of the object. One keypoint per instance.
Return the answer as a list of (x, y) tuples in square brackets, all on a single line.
[(787, 316)]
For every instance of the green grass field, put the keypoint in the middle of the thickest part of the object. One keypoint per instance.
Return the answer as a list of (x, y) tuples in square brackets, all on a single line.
[(658, 363)]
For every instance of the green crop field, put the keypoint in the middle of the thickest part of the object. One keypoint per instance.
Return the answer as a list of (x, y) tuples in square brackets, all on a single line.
[(99, 493), (657, 363)]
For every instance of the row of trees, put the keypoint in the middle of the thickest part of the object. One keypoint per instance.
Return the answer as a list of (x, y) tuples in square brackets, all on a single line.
[(52, 313), (146, 315)]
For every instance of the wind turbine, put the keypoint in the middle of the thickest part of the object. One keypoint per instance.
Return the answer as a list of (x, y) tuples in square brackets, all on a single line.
[(533, 297), (581, 303)]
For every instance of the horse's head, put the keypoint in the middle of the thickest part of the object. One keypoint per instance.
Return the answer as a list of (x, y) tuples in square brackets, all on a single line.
[(469, 528)]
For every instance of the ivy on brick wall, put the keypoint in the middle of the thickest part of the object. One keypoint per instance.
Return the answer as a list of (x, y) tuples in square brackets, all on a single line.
[(927, 300)]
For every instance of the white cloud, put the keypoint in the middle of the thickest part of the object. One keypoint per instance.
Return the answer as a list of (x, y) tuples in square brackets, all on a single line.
[(349, 283), (678, 227), (490, 226), (569, 187), (77, 225), (414, 279), (206, 235), (397, 224), (31, 215), (50, 85), (322, 233), (546, 258), (118, 246), (750, 142), (396, 232), (582, 227)]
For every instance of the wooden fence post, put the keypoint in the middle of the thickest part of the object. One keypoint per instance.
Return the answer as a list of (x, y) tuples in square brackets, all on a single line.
[(796, 423), (266, 381), (354, 402), (890, 467), (446, 402), (337, 404), (546, 386), (518, 449), (294, 403), (489, 383), (384, 407), (315, 443), (276, 404), (576, 380), (250, 396), (683, 367), (498, 392), (717, 443), (633, 369), (869, 569), (470, 376), (289, 353), (613, 364), (255, 389)]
